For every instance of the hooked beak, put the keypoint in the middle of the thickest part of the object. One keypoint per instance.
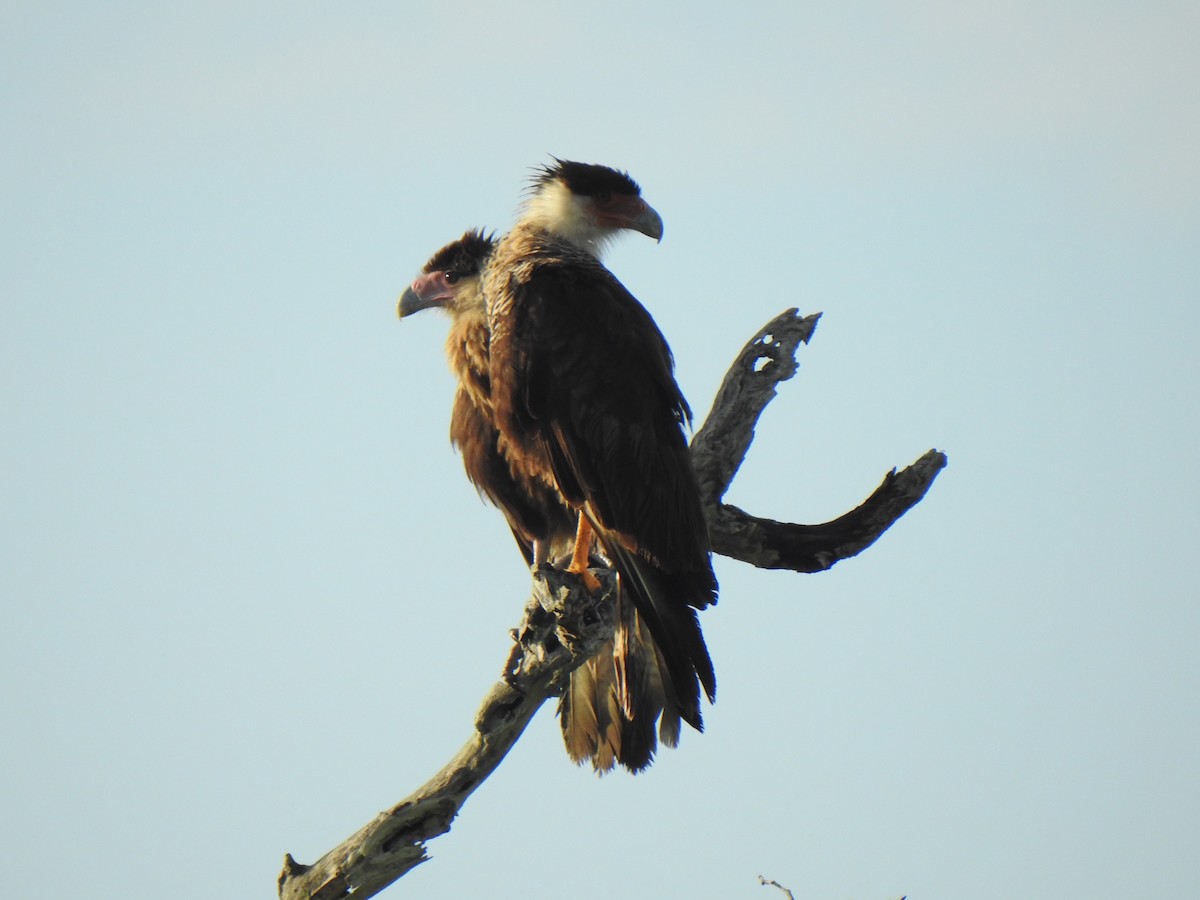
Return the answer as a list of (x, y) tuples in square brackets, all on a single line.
[(427, 290), (633, 213), (648, 222)]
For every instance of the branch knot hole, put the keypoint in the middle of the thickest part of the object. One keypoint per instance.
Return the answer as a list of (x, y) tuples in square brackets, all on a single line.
[(768, 349)]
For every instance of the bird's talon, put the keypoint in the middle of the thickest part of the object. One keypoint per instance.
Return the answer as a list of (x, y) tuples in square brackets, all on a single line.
[(590, 582)]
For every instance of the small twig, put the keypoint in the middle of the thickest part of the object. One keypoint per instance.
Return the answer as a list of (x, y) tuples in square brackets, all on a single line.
[(765, 881)]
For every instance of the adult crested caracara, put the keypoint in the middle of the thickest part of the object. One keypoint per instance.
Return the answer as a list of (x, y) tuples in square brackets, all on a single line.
[(584, 396), (613, 704)]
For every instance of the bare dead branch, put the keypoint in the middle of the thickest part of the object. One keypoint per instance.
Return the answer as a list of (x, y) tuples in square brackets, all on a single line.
[(768, 544), (720, 446), (750, 384), (563, 625)]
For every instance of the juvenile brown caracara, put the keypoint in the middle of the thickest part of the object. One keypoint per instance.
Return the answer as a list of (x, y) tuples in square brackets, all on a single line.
[(584, 395), (451, 281), (612, 707)]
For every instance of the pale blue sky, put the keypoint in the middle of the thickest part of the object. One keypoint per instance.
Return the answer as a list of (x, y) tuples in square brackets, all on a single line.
[(249, 598)]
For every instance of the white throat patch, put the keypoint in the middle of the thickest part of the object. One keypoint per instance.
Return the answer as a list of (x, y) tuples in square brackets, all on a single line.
[(555, 209)]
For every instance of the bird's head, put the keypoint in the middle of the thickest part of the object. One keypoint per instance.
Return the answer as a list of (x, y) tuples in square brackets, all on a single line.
[(450, 280), (588, 204)]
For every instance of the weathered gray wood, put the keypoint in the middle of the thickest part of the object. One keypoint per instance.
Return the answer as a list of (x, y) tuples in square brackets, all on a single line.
[(768, 544), (720, 446), (563, 625), (750, 384)]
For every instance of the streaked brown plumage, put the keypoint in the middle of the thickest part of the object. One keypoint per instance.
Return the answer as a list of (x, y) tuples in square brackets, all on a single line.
[(611, 710), (451, 280)]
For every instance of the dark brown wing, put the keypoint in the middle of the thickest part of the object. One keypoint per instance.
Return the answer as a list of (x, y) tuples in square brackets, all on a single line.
[(598, 388), (612, 707), (583, 373)]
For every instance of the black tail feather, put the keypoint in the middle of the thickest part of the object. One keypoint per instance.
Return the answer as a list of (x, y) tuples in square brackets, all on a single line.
[(619, 705), (665, 602)]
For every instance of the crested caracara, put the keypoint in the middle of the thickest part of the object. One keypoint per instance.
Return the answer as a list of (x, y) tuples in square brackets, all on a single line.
[(615, 704), (584, 395)]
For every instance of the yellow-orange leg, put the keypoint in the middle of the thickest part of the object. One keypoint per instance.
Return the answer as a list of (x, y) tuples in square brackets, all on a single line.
[(582, 553)]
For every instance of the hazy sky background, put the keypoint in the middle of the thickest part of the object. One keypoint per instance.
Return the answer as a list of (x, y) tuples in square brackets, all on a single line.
[(249, 599)]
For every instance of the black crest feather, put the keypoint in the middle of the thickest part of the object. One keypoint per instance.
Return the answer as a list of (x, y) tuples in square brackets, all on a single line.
[(465, 257), (587, 179)]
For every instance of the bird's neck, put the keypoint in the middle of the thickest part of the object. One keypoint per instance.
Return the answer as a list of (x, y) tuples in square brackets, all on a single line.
[(562, 214)]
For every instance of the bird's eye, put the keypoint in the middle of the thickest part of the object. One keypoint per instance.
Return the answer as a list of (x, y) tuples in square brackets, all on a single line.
[(452, 277), (604, 196)]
